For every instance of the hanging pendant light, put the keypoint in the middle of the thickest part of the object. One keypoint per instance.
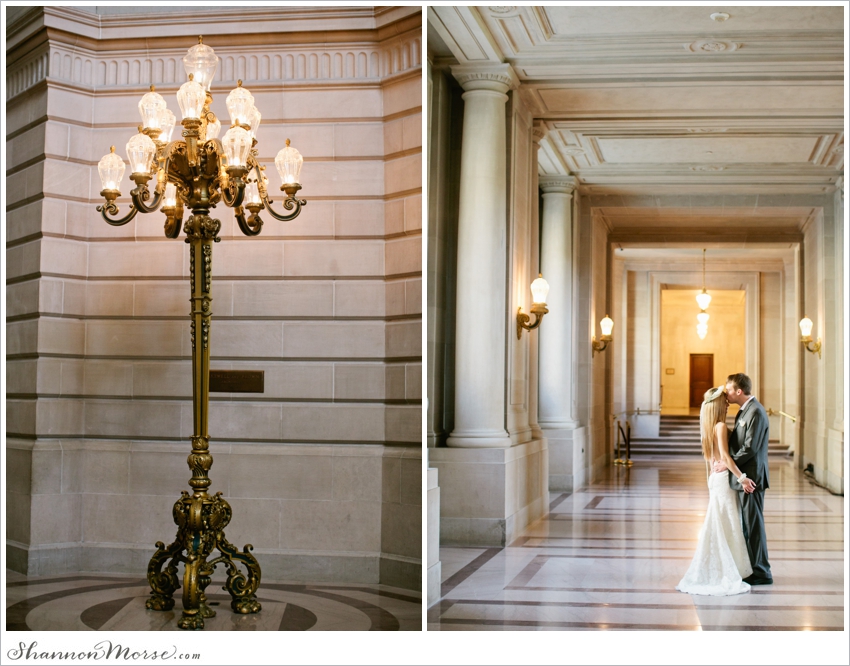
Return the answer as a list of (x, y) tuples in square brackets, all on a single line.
[(703, 298)]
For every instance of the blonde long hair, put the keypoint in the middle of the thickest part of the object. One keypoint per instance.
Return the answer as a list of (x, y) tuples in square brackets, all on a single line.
[(710, 414)]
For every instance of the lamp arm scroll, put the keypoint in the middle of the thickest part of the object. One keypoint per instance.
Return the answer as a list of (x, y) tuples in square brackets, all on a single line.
[(234, 193), (251, 226), (290, 203), (109, 208)]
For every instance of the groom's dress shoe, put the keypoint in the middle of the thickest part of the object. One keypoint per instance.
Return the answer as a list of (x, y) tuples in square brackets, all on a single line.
[(752, 580)]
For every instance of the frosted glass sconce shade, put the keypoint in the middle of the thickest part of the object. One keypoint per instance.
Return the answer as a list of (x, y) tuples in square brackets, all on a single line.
[(167, 121), (201, 62), (111, 169), (539, 290), (170, 199), (213, 129), (237, 145), (151, 107), (239, 104), (288, 163), (191, 98), (140, 151)]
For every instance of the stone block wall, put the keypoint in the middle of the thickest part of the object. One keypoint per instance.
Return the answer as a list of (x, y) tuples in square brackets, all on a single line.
[(320, 467)]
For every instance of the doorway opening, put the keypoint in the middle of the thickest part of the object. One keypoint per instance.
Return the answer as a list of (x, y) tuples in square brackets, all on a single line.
[(701, 377), (683, 383)]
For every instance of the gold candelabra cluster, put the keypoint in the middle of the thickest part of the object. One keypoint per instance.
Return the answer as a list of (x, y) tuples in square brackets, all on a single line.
[(197, 172), (200, 170)]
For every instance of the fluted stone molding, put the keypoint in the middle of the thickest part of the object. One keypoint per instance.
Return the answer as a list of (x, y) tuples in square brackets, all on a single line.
[(481, 271), (556, 362)]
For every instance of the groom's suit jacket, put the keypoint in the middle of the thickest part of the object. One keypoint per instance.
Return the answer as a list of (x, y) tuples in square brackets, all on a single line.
[(748, 445)]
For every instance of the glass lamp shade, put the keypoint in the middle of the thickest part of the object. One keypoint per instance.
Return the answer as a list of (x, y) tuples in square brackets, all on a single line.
[(703, 299), (607, 325), (201, 61), (702, 331), (140, 151), (702, 317), (151, 107), (167, 121), (805, 326), (237, 145), (111, 169), (252, 193), (213, 129), (239, 104), (539, 290), (170, 199), (254, 121), (191, 98), (288, 163)]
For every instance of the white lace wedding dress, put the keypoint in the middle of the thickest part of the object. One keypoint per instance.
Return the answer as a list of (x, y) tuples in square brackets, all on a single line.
[(721, 560)]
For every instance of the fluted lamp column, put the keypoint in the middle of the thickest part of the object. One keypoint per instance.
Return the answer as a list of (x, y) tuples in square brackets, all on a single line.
[(481, 270)]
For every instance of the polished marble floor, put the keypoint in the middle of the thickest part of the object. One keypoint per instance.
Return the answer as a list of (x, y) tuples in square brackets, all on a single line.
[(108, 602), (610, 556)]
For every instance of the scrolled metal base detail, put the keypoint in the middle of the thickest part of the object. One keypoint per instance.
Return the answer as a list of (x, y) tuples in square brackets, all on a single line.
[(201, 520)]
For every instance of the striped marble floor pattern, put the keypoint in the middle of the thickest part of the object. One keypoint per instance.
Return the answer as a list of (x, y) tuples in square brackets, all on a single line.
[(609, 556), (109, 602)]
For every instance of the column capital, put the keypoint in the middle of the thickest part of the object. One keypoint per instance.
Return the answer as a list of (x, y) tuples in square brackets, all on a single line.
[(539, 131), (498, 78), (562, 184), (840, 184)]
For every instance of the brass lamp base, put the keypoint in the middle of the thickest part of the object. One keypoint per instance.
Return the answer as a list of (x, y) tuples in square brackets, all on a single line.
[(201, 520)]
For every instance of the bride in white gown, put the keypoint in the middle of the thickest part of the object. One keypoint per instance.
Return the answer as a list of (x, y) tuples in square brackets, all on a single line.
[(721, 561)]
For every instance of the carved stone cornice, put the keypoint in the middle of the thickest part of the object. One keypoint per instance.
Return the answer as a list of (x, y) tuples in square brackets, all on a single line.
[(539, 131), (498, 78), (131, 64), (558, 184)]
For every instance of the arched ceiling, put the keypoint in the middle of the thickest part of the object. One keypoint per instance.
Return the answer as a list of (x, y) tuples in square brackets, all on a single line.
[(671, 100)]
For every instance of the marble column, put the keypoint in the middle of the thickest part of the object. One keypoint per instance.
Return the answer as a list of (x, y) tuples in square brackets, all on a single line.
[(490, 490), (538, 133), (481, 260), (556, 402)]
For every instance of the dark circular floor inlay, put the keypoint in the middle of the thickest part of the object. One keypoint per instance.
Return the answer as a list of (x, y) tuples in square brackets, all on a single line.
[(296, 618), (99, 614)]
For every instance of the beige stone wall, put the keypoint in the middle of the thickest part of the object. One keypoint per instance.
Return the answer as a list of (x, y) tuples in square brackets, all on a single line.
[(725, 340), (323, 468)]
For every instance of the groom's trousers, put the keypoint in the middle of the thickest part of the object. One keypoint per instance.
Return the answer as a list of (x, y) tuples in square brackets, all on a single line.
[(752, 513)]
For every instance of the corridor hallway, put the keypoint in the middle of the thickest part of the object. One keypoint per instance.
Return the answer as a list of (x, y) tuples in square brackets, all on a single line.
[(610, 556)]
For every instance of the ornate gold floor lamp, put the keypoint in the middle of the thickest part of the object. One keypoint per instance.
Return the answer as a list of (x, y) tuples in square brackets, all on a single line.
[(198, 172)]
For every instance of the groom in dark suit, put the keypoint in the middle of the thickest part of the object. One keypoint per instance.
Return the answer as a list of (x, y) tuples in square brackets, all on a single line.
[(748, 448)]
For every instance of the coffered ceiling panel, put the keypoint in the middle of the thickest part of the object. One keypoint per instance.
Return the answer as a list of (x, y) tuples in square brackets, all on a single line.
[(707, 150), (687, 100), (641, 99)]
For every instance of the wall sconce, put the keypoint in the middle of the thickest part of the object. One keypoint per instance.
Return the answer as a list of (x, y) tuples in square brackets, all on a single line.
[(606, 325), (539, 292), (806, 339)]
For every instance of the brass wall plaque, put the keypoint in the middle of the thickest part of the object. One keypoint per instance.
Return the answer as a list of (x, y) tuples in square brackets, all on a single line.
[(237, 381)]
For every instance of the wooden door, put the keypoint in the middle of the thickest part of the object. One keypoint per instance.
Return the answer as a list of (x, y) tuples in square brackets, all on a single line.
[(702, 377)]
